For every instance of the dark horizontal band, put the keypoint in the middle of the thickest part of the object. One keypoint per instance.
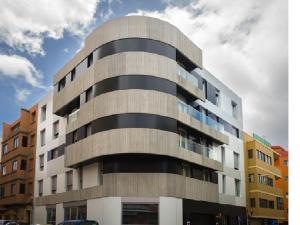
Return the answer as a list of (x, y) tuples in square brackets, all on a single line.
[(145, 163), (56, 152), (119, 121)]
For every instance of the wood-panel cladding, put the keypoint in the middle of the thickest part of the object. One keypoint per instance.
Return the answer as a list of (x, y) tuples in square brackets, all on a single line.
[(138, 27), (125, 63), (140, 185), (133, 140)]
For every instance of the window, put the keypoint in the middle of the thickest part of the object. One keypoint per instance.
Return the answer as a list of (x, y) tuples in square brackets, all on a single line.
[(286, 163), (252, 203), (271, 204), (100, 173), (43, 113), (53, 184), (15, 165), (88, 130), (16, 142), (139, 213), (55, 129), (80, 177), (74, 136), (279, 203), (90, 60), (24, 141), (43, 132), (3, 170), (251, 177), (69, 180), (23, 164), (33, 115), (5, 149), (75, 213), (223, 155), (286, 178), (236, 159), (263, 203), (61, 84), (88, 94), (41, 162), (13, 189), (73, 74), (269, 181), (51, 215), (22, 189), (218, 103), (40, 185), (237, 187), (223, 184), (257, 154), (234, 109), (250, 153)]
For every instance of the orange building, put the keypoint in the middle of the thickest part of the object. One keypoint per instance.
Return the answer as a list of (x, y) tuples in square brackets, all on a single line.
[(17, 167), (282, 164)]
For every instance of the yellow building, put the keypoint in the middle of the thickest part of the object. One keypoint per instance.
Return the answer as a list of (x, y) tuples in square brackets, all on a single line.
[(264, 199)]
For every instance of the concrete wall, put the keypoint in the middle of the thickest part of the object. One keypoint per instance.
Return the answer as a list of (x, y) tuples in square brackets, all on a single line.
[(170, 211)]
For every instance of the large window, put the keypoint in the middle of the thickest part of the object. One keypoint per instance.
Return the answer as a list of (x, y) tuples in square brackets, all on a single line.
[(4, 170), (23, 164), (2, 191), (22, 188), (5, 149), (80, 177), (223, 155), (56, 129), (43, 137), (286, 163), (263, 203), (252, 203), (16, 142), (41, 157), (40, 187), (140, 214), (43, 113), (69, 180), (237, 187), (250, 153), (75, 212), (236, 159), (279, 203), (15, 166), (251, 177), (13, 189), (234, 109), (223, 184), (53, 184), (51, 216)]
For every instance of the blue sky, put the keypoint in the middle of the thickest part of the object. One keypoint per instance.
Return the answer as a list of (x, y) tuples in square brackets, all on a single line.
[(244, 45)]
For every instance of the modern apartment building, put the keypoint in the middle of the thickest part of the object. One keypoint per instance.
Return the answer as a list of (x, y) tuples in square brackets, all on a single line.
[(17, 167), (283, 165), (49, 169), (264, 200), (151, 136)]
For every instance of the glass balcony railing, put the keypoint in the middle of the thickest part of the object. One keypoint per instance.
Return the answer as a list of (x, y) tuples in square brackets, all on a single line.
[(199, 116), (195, 147), (187, 76)]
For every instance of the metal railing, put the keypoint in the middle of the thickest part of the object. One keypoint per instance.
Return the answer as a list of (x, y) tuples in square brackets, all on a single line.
[(199, 116), (187, 76), (195, 147)]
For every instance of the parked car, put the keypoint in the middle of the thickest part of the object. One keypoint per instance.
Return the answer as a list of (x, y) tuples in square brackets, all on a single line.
[(8, 222), (78, 222)]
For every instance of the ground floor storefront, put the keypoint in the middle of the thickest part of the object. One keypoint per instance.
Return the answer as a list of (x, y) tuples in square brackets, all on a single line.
[(150, 211), (20, 213)]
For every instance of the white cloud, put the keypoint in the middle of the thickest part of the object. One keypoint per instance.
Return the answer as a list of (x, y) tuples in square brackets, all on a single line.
[(245, 45), (25, 24), (14, 66), (22, 94)]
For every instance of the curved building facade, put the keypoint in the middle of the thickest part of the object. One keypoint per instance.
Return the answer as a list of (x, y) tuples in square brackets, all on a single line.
[(139, 149)]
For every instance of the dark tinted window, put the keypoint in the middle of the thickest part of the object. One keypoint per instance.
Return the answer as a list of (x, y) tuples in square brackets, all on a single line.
[(140, 214)]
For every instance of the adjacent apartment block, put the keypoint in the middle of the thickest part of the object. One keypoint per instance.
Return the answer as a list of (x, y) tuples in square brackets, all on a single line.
[(17, 167), (283, 165), (264, 199), (151, 136)]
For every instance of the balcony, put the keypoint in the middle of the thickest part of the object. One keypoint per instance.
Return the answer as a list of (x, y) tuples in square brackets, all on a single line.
[(195, 147), (73, 116), (200, 116), (187, 76), (16, 199)]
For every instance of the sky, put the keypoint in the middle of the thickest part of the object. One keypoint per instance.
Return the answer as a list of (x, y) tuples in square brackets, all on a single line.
[(244, 44)]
